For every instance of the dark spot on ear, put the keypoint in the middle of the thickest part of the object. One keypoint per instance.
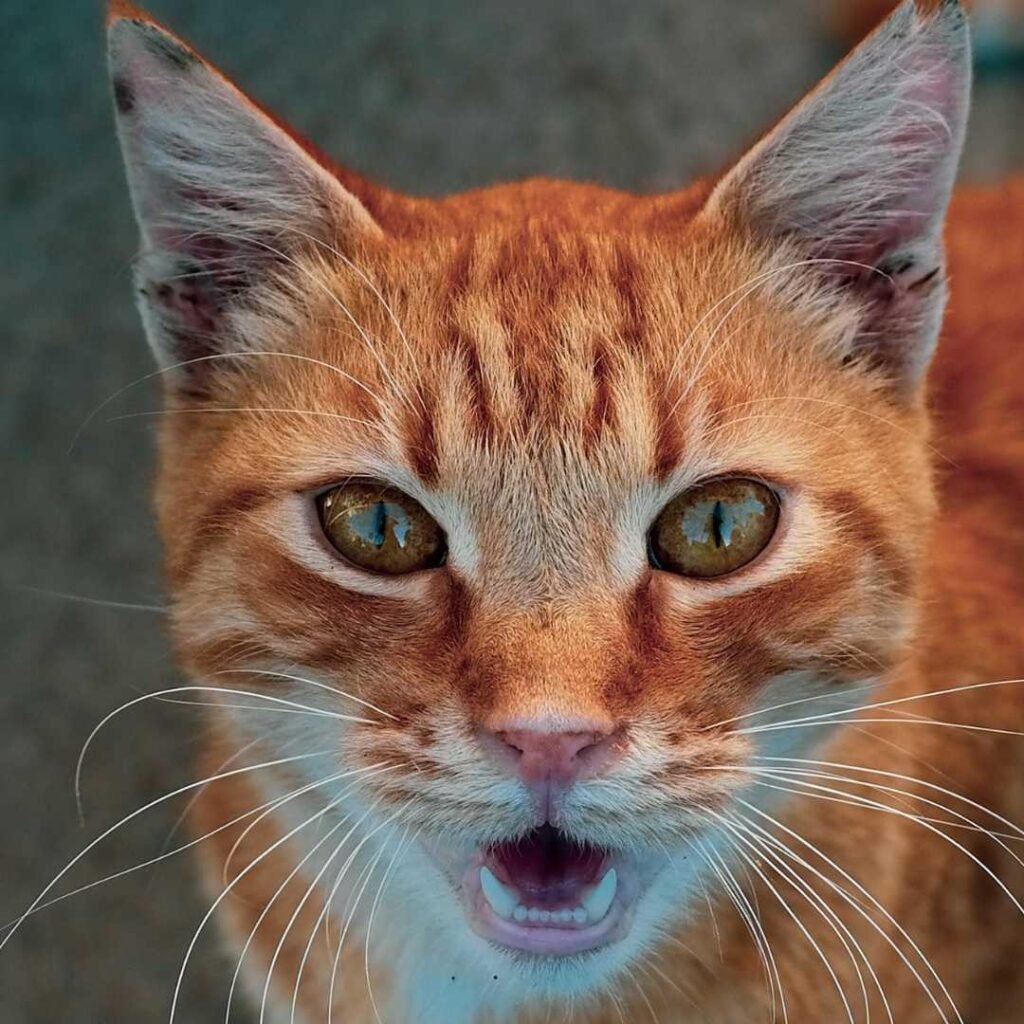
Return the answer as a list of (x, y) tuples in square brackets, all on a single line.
[(124, 98), (904, 273), (169, 50), (930, 276), (896, 266)]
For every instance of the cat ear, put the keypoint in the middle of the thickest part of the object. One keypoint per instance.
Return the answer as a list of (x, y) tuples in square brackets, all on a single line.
[(859, 175), (221, 192)]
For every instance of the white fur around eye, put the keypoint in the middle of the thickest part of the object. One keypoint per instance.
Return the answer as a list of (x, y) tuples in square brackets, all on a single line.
[(295, 526), (802, 539), (450, 514)]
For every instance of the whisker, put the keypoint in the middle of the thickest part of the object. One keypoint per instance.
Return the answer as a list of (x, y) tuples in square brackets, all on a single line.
[(327, 903), (743, 290), (229, 410), (893, 702), (938, 723), (97, 602), (767, 399), (965, 821), (886, 741), (752, 923), (617, 1003), (803, 930), (361, 888), (847, 898), (356, 269), (223, 705), (165, 854), (124, 821), (839, 796), (350, 900), (268, 906), (370, 346), (814, 899), (678, 989), (844, 436), (191, 802), (643, 996), (207, 359), (194, 688), (310, 682), (911, 779), (371, 771), (223, 895), (402, 844), (323, 919), (714, 920), (787, 704)]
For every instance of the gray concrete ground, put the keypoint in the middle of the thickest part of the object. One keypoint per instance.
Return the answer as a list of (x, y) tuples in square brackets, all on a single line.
[(429, 96)]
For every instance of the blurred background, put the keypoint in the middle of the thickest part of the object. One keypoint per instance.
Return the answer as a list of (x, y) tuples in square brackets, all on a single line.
[(427, 96)]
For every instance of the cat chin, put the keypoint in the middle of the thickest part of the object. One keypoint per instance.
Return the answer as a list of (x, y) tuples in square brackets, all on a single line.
[(453, 972)]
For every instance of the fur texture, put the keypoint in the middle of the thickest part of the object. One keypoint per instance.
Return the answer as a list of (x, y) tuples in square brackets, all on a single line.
[(543, 366)]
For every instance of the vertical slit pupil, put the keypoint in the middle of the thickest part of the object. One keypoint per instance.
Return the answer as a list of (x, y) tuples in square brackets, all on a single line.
[(717, 519), (380, 519)]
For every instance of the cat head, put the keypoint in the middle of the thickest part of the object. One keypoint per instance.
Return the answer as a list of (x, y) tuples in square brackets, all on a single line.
[(545, 513)]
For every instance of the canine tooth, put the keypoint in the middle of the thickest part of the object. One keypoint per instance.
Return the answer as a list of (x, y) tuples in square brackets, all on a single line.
[(502, 900), (598, 901), (520, 913), (579, 915)]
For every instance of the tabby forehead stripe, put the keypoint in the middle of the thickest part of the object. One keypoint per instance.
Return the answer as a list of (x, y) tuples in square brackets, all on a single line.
[(420, 437), (601, 414)]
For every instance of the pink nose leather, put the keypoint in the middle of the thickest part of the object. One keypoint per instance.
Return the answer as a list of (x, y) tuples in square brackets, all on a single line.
[(540, 757)]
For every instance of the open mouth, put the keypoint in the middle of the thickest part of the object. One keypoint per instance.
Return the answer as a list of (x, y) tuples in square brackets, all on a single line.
[(546, 893)]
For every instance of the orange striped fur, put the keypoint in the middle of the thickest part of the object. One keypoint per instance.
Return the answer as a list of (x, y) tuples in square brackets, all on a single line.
[(543, 365)]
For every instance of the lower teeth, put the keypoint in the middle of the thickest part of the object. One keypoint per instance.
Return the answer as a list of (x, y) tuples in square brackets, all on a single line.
[(594, 907)]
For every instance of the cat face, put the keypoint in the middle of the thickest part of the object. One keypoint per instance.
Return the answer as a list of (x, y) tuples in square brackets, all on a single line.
[(546, 458), (537, 509)]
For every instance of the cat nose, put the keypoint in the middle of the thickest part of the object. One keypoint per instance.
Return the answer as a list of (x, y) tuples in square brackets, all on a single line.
[(541, 756)]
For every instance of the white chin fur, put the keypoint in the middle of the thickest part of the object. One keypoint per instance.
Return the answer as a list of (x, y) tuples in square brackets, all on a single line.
[(438, 945)]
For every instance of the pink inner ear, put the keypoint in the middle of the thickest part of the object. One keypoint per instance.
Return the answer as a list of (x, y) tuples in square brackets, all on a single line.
[(912, 184), (862, 169), (221, 193), (924, 146), (189, 307), (163, 198)]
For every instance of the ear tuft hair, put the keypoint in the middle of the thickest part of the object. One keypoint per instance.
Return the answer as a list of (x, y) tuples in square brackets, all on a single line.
[(222, 193), (859, 177)]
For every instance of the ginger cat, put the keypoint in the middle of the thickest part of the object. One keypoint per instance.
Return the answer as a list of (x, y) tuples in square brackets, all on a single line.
[(609, 607)]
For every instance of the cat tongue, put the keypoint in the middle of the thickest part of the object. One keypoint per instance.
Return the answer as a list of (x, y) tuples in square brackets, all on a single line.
[(547, 866)]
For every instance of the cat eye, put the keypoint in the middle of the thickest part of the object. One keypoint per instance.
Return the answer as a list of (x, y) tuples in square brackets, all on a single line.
[(714, 528), (381, 529)]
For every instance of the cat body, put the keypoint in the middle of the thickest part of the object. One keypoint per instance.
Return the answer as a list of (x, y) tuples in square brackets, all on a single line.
[(525, 678)]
